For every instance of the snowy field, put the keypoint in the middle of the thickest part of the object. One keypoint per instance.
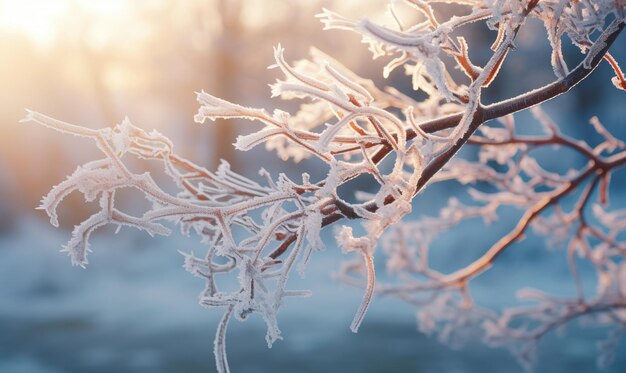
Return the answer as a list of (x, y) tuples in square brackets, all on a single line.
[(134, 309)]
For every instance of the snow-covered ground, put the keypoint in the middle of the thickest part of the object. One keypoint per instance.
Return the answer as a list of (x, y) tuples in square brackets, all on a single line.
[(134, 309)]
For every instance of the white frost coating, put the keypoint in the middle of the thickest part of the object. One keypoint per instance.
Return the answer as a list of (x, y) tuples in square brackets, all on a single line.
[(247, 142), (214, 108), (610, 143), (364, 246), (367, 295), (219, 345), (255, 232), (89, 179), (600, 44), (618, 83), (58, 125), (313, 223), (422, 47)]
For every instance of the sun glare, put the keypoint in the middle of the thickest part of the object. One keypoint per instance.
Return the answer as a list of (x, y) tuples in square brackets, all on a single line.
[(40, 19)]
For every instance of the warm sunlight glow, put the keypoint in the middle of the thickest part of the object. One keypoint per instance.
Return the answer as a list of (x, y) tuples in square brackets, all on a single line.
[(36, 18), (40, 19)]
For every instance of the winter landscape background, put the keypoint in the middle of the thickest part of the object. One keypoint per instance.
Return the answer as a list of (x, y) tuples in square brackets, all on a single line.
[(134, 308)]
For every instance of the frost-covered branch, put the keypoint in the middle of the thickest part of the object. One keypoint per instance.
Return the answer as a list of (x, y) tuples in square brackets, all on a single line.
[(522, 184), (256, 233)]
